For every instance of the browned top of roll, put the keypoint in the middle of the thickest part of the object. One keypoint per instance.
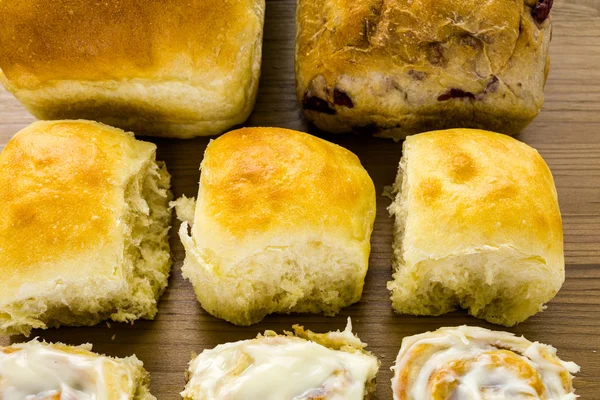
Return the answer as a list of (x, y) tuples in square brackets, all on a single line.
[(98, 40)]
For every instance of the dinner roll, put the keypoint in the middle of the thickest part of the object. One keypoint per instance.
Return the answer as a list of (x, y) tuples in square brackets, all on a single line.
[(169, 68), (477, 227), (395, 68), (45, 371), (466, 363), (83, 227), (282, 224), (302, 365)]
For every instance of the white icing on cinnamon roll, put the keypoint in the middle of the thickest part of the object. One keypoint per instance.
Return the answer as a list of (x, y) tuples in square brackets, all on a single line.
[(37, 371), (280, 367), (473, 363)]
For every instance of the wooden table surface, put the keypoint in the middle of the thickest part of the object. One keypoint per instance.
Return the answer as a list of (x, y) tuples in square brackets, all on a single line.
[(567, 134)]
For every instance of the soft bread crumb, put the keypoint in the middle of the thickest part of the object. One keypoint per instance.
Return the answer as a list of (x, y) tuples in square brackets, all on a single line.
[(185, 207), (492, 293), (246, 293), (147, 244)]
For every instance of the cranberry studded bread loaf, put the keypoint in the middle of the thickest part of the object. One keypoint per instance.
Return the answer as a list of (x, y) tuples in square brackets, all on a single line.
[(394, 68), (477, 227), (282, 223), (169, 68), (83, 227)]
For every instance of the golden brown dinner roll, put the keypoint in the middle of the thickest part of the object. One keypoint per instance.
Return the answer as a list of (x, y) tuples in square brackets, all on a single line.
[(282, 224), (168, 68), (474, 363), (83, 227), (45, 371), (301, 366), (400, 67), (477, 227)]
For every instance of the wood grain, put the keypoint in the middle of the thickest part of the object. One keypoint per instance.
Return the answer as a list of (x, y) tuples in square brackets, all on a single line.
[(567, 134)]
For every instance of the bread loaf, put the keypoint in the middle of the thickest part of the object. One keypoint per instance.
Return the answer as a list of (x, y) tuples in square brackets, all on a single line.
[(168, 68), (396, 68)]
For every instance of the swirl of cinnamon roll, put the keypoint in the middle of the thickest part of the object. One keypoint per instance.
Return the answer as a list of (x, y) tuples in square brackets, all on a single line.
[(474, 363)]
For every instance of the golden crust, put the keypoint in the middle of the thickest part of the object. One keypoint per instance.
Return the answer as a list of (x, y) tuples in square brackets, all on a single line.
[(62, 198), (282, 223), (74, 53), (119, 40), (401, 67), (265, 180), (478, 226), (493, 187)]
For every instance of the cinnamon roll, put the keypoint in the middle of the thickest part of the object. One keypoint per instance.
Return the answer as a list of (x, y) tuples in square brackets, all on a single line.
[(42, 371), (475, 363), (299, 366)]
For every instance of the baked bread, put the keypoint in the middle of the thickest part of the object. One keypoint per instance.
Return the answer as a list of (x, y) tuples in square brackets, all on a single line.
[(45, 371), (282, 224), (475, 363), (477, 227), (301, 366), (396, 68), (170, 68), (83, 227)]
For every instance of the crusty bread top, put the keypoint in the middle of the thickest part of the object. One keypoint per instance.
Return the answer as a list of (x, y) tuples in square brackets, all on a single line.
[(259, 183), (398, 30), (470, 188), (420, 48), (62, 187), (200, 41)]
